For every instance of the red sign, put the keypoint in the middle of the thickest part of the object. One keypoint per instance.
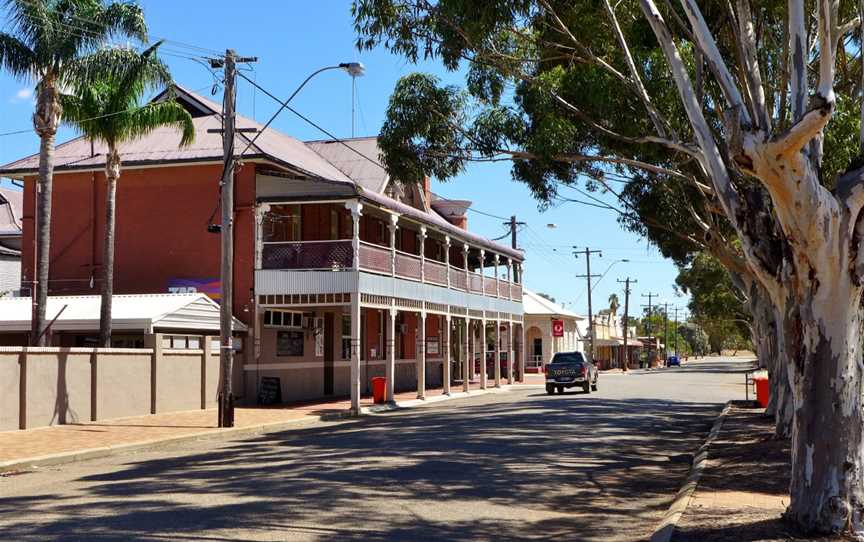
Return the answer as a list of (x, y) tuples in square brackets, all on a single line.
[(557, 328)]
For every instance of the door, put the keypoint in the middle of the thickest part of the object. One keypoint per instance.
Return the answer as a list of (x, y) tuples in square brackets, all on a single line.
[(329, 358)]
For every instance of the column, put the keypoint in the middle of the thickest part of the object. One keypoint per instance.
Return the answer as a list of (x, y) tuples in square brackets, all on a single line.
[(466, 357), (497, 371), (447, 258), (445, 347), (356, 210), (509, 279), (393, 227), (421, 355), (522, 350), (483, 353), (483, 287), (422, 253), (391, 354), (261, 210), (465, 266), (511, 353), (497, 282)]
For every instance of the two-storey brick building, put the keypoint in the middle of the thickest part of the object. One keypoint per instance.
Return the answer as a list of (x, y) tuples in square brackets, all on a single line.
[(341, 273)]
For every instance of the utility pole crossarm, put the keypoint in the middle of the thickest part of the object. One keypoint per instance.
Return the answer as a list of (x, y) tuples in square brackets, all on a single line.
[(587, 253)]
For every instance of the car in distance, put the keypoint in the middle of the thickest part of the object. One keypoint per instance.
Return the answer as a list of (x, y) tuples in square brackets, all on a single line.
[(673, 361), (569, 370)]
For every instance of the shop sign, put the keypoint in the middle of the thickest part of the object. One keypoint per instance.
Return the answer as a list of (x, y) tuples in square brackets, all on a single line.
[(557, 328)]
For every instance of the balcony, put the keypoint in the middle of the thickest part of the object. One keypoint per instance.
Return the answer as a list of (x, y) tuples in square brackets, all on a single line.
[(379, 260), (308, 255)]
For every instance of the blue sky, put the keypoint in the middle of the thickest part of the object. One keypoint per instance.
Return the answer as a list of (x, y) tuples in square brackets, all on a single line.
[(292, 39)]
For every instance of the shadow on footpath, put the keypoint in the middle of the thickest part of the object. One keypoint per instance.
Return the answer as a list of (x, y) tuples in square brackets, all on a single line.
[(539, 468)]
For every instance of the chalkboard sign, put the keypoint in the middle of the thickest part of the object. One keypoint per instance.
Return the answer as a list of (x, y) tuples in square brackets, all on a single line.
[(289, 343), (271, 391)]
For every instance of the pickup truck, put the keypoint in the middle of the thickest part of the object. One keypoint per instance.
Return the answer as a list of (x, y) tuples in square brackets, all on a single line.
[(568, 370)]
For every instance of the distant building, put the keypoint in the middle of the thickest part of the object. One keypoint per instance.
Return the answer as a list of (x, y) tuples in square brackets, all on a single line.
[(609, 350), (540, 342), (10, 241)]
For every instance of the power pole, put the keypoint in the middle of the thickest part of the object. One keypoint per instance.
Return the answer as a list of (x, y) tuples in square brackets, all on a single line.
[(226, 188), (512, 224), (650, 296), (627, 283), (665, 331), (587, 253), (676, 330)]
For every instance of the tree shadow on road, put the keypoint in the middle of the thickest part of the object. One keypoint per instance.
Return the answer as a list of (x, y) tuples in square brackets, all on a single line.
[(532, 469)]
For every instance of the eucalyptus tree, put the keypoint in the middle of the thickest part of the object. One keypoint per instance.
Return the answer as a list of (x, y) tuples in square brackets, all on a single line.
[(716, 102), (45, 44), (109, 109)]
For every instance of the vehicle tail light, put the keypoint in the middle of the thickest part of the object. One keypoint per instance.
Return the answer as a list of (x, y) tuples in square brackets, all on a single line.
[(584, 371), (545, 369)]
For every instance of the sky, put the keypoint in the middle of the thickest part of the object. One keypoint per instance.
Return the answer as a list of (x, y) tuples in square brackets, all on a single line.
[(293, 39)]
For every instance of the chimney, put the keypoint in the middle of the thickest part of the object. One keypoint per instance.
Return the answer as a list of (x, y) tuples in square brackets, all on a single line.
[(427, 191), (453, 211)]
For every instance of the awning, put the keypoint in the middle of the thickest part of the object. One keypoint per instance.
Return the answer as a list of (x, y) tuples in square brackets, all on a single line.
[(142, 313), (615, 341)]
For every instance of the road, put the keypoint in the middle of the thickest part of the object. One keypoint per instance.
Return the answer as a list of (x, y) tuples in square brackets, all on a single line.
[(518, 465)]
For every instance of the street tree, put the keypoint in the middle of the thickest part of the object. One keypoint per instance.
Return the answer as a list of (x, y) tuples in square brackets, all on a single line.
[(718, 102), (108, 109), (44, 45)]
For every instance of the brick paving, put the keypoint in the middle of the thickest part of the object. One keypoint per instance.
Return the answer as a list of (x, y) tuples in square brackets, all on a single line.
[(78, 437)]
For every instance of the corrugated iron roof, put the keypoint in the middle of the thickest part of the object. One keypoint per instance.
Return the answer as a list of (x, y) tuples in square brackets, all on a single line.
[(130, 312), (11, 209), (535, 305), (367, 172), (162, 146)]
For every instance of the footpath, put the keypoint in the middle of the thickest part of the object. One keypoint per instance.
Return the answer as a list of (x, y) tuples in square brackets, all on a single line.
[(44, 446), (744, 487)]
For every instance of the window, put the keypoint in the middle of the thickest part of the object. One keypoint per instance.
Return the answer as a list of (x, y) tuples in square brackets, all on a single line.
[(181, 342), (346, 336), (277, 318), (282, 224), (569, 357)]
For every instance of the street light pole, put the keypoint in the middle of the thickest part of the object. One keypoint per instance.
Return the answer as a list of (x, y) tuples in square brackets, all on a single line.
[(588, 276)]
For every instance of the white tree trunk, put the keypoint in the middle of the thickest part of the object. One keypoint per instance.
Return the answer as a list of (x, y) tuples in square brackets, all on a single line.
[(823, 334)]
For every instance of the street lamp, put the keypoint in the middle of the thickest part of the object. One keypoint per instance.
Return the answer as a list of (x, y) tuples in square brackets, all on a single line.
[(354, 69)]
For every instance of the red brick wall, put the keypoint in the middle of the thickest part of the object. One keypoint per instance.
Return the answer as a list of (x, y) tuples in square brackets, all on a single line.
[(162, 216)]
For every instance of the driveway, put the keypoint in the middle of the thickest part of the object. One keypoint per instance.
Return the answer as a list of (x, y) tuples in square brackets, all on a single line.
[(505, 466)]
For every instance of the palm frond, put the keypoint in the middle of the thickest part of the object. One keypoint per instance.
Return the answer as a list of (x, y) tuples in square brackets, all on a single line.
[(125, 19), (15, 56), (158, 115)]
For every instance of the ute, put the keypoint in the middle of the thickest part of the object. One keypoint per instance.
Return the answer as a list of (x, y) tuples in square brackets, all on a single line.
[(568, 370)]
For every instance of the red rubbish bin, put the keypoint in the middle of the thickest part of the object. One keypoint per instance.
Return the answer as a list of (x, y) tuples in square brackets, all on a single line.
[(379, 389), (763, 391)]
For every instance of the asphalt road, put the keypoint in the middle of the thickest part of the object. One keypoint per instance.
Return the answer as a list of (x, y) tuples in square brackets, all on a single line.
[(505, 466)]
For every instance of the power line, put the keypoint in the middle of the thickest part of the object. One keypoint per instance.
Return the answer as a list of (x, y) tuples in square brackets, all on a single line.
[(130, 110), (341, 141), (152, 37)]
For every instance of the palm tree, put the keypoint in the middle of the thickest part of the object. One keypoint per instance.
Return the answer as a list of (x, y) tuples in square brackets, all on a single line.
[(614, 304), (109, 110), (44, 45)]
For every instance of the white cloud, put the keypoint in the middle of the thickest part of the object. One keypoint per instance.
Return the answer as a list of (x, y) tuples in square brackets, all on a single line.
[(23, 95)]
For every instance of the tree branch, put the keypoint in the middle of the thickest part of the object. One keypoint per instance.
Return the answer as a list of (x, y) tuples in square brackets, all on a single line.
[(656, 119), (714, 59), (747, 41), (798, 58)]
